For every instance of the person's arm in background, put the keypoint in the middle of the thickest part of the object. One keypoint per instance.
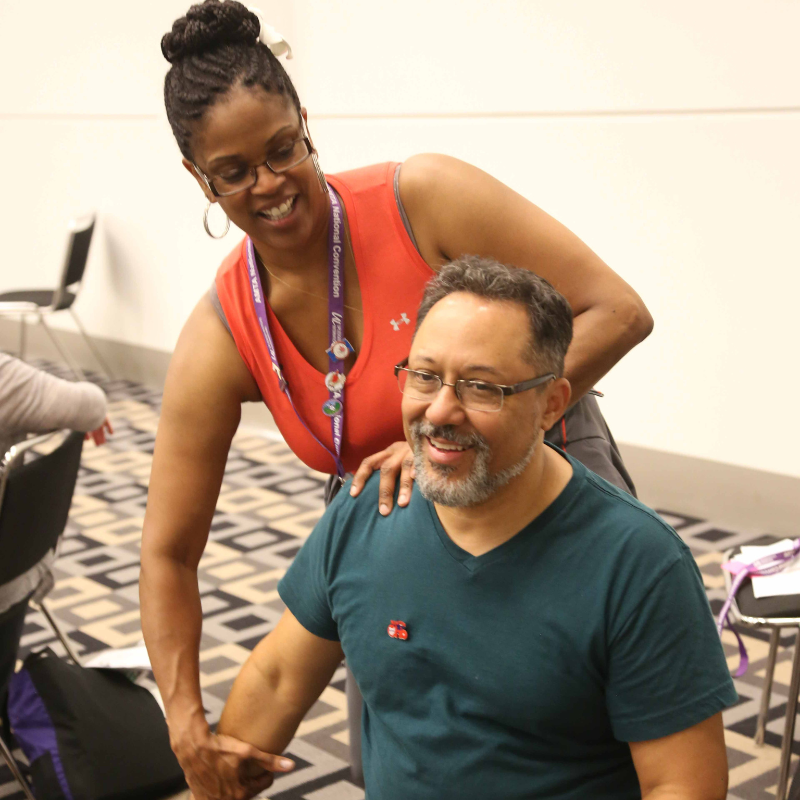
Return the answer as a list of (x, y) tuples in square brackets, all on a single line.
[(33, 401), (205, 387)]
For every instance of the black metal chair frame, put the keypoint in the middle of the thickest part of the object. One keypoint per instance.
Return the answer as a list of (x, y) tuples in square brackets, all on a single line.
[(12, 469), (775, 624), (41, 303)]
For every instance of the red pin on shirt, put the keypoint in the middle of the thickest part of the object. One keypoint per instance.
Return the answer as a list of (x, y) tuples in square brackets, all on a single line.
[(397, 630)]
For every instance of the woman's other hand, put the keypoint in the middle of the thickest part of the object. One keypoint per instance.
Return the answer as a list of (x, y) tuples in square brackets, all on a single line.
[(397, 459)]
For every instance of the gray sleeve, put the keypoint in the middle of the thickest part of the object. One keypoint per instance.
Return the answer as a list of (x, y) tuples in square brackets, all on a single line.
[(33, 401), (213, 296)]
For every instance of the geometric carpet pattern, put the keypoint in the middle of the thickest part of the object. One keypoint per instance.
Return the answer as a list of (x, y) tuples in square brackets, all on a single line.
[(268, 505)]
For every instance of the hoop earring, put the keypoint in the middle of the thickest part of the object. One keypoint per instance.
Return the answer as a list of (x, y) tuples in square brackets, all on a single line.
[(323, 184), (208, 230)]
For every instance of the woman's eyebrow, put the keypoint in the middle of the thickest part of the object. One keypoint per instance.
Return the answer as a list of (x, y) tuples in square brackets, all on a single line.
[(274, 136)]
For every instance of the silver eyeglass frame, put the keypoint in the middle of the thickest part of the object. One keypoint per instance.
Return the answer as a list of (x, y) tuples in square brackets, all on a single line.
[(506, 390)]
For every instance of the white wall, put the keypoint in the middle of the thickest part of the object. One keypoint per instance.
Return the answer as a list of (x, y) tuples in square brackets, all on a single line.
[(664, 134)]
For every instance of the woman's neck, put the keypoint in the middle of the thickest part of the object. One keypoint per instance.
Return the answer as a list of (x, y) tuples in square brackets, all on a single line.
[(307, 262)]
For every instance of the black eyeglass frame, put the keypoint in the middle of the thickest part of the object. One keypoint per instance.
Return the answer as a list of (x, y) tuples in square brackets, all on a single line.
[(507, 390), (254, 169)]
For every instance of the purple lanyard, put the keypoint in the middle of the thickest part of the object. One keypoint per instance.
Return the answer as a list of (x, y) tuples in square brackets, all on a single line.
[(767, 565), (339, 347)]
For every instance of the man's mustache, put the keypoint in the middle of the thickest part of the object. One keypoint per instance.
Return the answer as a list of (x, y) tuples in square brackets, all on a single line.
[(422, 427)]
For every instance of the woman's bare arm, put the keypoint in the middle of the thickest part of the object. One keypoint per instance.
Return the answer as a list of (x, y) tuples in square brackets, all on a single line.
[(456, 209), (205, 387)]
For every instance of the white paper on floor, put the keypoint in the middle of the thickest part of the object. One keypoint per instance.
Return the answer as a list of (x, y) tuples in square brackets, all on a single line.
[(122, 658)]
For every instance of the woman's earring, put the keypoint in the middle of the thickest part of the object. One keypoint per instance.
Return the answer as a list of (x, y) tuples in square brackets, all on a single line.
[(208, 230), (323, 184)]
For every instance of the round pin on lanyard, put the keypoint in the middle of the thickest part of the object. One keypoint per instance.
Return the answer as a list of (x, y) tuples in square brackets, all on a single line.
[(340, 350), (332, 407), (335, 381)]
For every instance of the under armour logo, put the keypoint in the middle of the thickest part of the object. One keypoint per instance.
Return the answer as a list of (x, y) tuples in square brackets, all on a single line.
[(403, 318)]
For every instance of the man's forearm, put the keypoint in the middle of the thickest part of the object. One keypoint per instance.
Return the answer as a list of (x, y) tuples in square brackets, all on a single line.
[(260, 711), (279, 682)]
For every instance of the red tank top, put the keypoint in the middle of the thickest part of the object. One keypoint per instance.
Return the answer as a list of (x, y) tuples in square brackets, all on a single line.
[(392, 276)]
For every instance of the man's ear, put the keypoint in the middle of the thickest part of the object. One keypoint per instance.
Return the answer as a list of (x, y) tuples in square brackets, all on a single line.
[(558, 394), (192, 170)]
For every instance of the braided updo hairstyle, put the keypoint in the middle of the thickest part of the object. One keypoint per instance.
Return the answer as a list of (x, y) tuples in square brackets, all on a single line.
[(214, 47)]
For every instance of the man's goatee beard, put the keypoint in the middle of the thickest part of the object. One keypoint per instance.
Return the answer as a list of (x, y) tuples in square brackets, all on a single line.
[(477, 486)]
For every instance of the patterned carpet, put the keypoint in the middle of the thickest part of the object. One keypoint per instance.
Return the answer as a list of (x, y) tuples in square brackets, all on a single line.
[(268, 505)]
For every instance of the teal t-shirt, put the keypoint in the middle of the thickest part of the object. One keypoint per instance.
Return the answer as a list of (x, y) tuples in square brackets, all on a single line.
[(526, 670)]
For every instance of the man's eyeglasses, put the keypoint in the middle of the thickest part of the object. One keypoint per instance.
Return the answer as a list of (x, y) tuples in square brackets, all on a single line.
[(237, 178), (472, 394)]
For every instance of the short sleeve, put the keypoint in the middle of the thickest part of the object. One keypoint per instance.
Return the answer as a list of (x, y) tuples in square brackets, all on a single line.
[(667, 670), (304, 588)]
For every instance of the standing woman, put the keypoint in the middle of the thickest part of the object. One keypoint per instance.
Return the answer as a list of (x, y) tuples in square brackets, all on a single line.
[(310, 313)]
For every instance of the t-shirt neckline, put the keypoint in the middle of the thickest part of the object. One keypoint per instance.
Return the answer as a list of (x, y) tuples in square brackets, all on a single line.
[(473, 564)]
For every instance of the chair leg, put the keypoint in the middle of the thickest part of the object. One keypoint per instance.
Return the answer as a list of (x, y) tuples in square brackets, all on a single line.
[(90, 344), (58, 632), (12, 765), (354, 705), (788, 731), (76, 370), (761, 723)]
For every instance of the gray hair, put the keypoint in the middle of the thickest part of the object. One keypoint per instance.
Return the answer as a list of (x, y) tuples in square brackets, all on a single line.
[(549, 313)]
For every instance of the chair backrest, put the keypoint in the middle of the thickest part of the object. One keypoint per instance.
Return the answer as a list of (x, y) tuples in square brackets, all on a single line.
[(34, 503), (80, 238)]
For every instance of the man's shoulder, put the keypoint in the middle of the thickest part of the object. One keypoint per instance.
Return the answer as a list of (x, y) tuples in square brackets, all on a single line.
[(357, 518), (609, 512), (345, 511)]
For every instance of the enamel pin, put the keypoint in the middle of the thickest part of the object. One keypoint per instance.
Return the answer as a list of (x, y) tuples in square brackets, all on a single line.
[(340, 350), (397, 630), (332, 407), (335, 381)]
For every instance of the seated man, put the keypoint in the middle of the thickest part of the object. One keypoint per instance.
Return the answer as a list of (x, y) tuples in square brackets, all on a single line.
[(523, 628)]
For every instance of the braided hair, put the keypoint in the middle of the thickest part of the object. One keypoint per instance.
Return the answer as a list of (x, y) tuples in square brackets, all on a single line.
[(214, 47)]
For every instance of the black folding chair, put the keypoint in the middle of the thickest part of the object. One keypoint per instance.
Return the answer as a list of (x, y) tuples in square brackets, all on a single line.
[(35, 497), (43, 302)]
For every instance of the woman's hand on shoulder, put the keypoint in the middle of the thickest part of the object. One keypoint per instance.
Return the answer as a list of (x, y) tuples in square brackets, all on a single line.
[(396, 459)]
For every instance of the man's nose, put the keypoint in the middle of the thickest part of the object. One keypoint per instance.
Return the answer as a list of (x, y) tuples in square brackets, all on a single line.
[(446, 408)]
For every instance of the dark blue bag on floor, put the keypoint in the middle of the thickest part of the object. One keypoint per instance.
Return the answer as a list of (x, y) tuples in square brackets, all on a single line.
[(90, 734)]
